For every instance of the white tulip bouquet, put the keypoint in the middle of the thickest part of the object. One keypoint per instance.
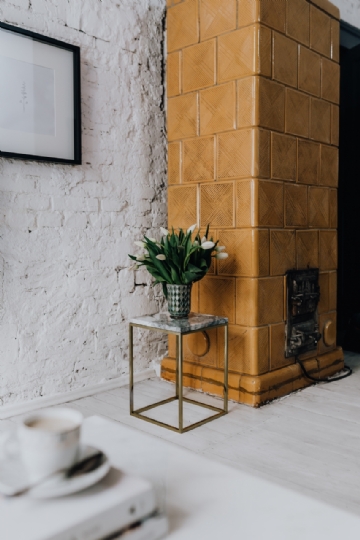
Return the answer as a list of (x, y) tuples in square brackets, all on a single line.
[(178, 259)]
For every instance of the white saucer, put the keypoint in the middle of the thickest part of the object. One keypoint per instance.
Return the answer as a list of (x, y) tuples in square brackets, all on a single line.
[(13, 477), (59, 485)]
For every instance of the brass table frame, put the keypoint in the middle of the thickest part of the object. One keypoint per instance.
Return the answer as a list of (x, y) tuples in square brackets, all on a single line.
[(179, 381)]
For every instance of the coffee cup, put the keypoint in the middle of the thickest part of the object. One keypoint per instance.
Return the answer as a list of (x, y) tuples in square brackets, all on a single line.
[(49, 441)]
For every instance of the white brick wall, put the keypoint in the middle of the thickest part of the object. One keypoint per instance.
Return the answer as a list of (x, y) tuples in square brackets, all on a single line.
[(65, 292)]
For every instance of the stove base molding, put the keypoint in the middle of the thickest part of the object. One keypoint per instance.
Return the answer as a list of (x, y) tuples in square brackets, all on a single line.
[(256, 390)]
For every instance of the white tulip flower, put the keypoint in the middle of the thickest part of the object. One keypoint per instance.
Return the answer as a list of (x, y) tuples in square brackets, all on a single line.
[(161, 257), (195, 243), (134, 267), (207, 245), (140, 258), (192, 228), (221, 256), (163, 231), (220, 248), (153, 240), (140, 244)]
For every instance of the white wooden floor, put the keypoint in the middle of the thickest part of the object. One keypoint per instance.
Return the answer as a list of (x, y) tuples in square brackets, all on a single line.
[(308, 441)]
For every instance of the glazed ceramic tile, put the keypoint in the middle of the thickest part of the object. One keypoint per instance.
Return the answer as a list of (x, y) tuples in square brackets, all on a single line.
[(173, 74), (182, 25), (248, 251), (320, 120), (182, 116), (218, 109), (217, 296), (246, 301), (298, 20), (244, 52), (217, 204), (333, 277), (264, 51), (328, 250), (273, 13), (297, 111), (333, 208), (309, 71), (271, 290), (262, 156), (307, 249), (296, 206), (245, 203), (236, 54), (174, 160), (236, 152), (308, 162), (271, 104), (259, 301), (247, 102), (263, 255), (270, 204), (182, 204), (277, 347), (335, 125), (330, 80), (248, 12), (329, 172), (285, 59), (216, 17), (335, 40), (199, 159), (283, 157), (240, 246), (248, 349), (201, 347), (318, 209), (320, 31), (199, 63), (323, 305), (282, 251)]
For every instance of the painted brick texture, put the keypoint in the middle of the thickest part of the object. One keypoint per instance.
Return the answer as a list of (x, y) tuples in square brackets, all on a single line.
[(65, 291)]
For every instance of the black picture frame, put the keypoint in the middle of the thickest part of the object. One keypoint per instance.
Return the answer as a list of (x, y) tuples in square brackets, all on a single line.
[(71, 153)]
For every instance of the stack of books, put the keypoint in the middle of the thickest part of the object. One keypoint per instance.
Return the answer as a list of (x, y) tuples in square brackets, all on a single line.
[(120, 507)]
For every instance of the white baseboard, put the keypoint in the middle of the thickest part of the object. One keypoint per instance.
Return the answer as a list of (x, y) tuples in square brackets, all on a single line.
[(13, 409)]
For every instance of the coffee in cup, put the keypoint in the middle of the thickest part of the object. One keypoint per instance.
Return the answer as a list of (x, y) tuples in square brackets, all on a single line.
[(49, 440)]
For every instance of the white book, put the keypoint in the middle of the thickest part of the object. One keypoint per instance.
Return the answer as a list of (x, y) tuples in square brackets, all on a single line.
[(96, 513)]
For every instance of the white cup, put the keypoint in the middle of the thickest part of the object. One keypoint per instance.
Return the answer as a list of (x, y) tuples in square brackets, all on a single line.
[(49, 440)]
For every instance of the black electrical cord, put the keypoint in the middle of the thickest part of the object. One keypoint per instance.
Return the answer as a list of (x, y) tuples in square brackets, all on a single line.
[(326, 379)]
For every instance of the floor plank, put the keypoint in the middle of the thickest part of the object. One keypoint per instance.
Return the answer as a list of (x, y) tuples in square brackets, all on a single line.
[(309, 441)]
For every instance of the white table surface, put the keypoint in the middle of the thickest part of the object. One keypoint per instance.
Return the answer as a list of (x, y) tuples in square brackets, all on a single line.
[(208, 500)]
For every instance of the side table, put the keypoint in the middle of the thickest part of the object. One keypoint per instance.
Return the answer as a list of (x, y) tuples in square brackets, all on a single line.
[(180, 327)]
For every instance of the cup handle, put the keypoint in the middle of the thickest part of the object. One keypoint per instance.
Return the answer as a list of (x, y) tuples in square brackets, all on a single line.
[(9, 445)]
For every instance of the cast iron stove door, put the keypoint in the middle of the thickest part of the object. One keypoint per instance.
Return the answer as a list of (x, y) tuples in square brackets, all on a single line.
[(303, 295)]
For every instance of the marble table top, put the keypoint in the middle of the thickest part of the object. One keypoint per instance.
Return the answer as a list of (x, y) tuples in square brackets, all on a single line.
[(193, 323)]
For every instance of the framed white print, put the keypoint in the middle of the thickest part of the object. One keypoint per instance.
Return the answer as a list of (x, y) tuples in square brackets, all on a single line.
[(40, 109)]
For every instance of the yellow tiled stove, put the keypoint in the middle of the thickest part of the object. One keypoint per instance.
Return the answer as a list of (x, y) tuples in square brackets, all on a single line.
[(253, 124)]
